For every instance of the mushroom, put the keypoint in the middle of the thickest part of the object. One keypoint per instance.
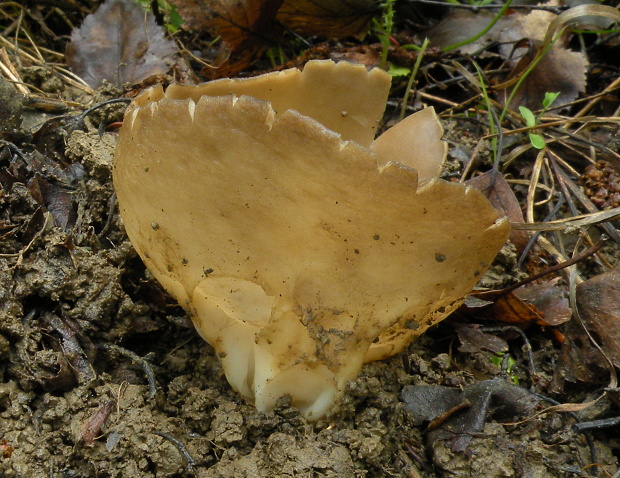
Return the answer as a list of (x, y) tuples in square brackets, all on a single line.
[(300, 246)]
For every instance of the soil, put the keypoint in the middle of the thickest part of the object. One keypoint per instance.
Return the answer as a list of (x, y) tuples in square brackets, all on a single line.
[(102, 374)]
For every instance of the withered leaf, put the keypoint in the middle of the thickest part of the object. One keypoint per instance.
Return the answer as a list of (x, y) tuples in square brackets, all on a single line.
[(549, 299), (493, 398), (461, 25), (474, 340), (329, 18), (579, 360), (248, 27), (495, 187), (542, 304), (121, 43), (598, 300), (560, 70), (92, 429), (56, 199), (511, 309)]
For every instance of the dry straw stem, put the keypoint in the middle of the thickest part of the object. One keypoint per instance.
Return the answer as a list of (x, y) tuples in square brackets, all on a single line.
[(300, 245), (570, 223), (64, 74)]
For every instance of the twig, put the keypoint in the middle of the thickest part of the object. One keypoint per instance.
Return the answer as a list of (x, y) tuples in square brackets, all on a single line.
[(578, 116), (108, 223), (571, 222), (557, 10), (190, 461), (494, 294), (146, 366), (11, 73), (596, 424)]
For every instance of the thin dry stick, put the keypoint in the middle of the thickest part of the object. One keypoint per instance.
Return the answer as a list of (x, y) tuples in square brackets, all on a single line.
[(528, 129), (614, 85), (560, 266), (34, 46), (574, 222), (460, 106), (538, 164), (526, 182), (437, 99), (63, 73), (11, 73), (548, 175)]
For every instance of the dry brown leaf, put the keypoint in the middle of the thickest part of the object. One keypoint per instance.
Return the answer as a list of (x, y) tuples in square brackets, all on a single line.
[(475, 405), (549, 299), (510, 309), (495, 187), (598, 300), (461, 25), (120, 43), (560, 70), (330, 18), (544, 304), (56, 199), (579, 360), (474, 340), (248, 27)]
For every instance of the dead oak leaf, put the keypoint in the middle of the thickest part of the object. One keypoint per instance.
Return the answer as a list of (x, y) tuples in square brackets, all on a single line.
[(560, 70), (329, 18), (599, 304), (121, 43), (499, 192), (248, 27)]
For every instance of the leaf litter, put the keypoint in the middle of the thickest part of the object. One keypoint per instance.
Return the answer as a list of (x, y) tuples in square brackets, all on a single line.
[(70, 280), (120, 43), (519, 36)]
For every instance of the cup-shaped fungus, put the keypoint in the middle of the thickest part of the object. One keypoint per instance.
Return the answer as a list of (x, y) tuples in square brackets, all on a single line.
[(299, 244)]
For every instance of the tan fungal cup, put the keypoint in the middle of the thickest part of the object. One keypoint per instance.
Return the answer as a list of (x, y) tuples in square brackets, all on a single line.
[(300, 245)]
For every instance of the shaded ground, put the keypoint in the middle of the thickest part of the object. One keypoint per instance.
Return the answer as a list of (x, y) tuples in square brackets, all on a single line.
[(82, 324)]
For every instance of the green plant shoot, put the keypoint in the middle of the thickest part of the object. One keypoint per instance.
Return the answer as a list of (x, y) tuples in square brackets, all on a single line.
[(510, 366), (383, 29), (531, 120)]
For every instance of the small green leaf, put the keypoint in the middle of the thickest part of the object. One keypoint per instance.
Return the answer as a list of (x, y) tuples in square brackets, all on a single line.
[(528, 116), (396, 71), (549, 99), (537, 140), (176, 21)]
